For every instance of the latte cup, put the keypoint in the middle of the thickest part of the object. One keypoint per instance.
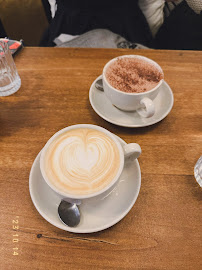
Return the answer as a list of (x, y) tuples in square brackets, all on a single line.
[(84, 161), (141, 102)]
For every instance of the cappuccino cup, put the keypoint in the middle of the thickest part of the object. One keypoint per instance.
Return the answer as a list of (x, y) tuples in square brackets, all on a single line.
[(132, 82), (84, 161)]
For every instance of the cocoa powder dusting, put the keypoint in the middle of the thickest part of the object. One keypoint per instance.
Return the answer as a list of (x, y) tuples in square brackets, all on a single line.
[(133, 75)]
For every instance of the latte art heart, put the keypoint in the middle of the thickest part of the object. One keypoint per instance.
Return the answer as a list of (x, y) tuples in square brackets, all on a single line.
[(83, 157), (82, 161)]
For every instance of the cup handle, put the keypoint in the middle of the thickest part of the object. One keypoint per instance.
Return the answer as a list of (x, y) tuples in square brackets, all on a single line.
[(132, 149), (148, 109)]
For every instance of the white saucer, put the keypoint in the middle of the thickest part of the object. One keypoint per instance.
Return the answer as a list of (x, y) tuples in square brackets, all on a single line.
[(103, 107), (96, 215)]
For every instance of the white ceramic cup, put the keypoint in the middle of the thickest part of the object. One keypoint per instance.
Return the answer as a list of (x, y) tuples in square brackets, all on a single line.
[(140, 102), (124, 152)]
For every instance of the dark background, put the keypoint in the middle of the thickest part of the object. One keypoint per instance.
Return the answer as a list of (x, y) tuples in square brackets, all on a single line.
[(23, 19)]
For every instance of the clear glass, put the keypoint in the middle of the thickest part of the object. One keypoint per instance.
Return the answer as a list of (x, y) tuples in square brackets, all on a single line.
[(198, 171), (10, 81)]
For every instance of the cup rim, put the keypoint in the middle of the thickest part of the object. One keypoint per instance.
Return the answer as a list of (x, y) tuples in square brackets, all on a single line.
[(90, 195), (132, 56)]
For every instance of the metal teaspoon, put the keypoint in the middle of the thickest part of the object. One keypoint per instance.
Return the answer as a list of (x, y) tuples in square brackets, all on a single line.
[(99, 85), (69, 213)]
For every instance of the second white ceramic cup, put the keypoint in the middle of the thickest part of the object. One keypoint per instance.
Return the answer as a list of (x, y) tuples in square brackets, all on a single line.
[(140, 102)]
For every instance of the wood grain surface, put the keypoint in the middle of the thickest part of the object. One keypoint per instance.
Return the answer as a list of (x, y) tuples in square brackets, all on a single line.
[(163, 229)]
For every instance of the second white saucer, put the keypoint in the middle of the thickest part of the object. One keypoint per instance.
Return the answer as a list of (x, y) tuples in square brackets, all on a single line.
[(103, 107)]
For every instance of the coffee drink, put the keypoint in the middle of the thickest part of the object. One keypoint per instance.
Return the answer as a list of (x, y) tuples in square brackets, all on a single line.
[(81, 161), (133, 75)]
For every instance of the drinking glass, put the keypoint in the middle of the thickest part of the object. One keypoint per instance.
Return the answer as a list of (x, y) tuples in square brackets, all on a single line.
[(10, 81), (198, 171)]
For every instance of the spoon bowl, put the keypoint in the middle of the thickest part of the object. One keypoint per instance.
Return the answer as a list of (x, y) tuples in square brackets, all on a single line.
[(69, 213), (99, 85)]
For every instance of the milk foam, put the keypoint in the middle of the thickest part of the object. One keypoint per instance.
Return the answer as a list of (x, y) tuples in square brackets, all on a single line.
[(81, 161), (133, 75)]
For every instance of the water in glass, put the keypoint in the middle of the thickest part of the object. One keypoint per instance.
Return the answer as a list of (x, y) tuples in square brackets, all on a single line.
[(10, 81)]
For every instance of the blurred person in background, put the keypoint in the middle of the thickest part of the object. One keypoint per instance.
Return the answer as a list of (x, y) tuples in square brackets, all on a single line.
[(160, 24)]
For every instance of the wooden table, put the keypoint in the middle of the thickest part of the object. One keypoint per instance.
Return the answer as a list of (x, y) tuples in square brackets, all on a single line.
[(163, 229)]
